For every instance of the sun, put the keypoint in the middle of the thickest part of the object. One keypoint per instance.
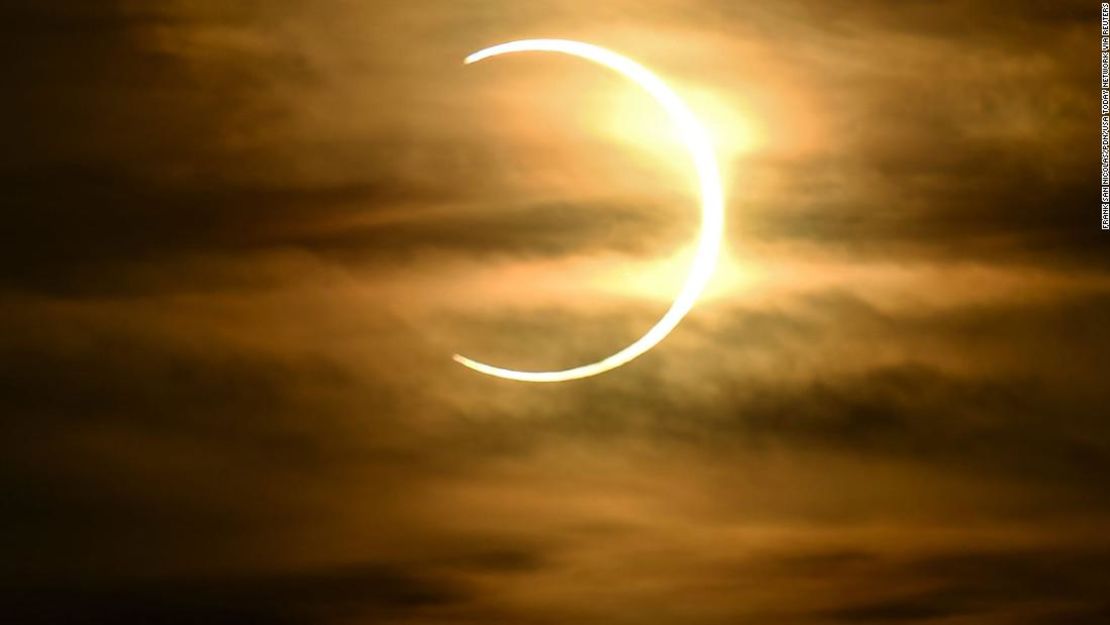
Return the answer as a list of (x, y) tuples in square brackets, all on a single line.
[(700, 150)]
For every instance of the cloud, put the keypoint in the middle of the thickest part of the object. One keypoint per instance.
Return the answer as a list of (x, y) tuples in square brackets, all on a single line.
[(246, 240), (366, 592)]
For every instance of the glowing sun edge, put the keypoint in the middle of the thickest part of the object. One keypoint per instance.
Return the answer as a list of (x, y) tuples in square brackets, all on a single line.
[(712, 205)]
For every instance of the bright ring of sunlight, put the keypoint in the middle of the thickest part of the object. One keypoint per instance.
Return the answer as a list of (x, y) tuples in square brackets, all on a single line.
[(712, 204)]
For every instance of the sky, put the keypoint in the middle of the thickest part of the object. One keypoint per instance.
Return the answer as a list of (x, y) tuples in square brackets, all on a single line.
[(243, 240)]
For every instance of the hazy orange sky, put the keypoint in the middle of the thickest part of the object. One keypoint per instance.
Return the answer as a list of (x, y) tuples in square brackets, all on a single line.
[(245, 238)]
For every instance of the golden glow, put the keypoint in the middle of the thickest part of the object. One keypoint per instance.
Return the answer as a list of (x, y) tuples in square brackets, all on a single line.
[(712, 208)]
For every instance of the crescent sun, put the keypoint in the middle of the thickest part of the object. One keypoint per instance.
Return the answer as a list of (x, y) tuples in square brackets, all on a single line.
[(712, 204)]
